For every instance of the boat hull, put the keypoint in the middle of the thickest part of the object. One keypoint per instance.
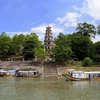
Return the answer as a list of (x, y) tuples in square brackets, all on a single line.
[(2, 75), (8, 76), (96, 79)]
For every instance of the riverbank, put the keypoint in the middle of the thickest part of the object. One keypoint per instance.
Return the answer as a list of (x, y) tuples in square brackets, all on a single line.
[(47, 68)]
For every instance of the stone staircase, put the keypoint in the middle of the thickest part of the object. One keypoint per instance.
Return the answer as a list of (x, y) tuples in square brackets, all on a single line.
[(50, 69)]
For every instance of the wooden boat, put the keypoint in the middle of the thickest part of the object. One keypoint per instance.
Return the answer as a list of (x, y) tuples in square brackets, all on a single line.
[(3, 73), (28, 74), (82, 76), (68, 77)]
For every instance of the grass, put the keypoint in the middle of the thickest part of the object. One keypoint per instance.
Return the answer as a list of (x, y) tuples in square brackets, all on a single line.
[(77, 65)]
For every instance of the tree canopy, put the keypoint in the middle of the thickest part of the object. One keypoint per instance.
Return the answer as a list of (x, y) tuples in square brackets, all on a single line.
[(77, 45), (62, 52), (86, 29), (5, 43), (17, 43), (98, 29), (31, 43)]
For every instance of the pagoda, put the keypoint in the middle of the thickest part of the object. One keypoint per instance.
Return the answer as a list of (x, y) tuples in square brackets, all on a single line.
[(48, 39)]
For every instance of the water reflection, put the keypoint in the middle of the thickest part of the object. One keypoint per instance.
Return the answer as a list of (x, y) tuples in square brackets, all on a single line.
[(48, 89)]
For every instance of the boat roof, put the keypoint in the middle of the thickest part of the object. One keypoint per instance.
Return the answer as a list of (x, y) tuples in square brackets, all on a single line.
[(11, 70), (92, 72), (23, 71), (3, 71), (27, 71), (33, 71)]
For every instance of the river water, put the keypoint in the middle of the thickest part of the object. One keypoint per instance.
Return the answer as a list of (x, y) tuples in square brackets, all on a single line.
[(48, 89)]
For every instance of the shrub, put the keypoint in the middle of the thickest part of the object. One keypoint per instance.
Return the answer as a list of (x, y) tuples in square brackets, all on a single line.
[(97, 59), (87, 62)]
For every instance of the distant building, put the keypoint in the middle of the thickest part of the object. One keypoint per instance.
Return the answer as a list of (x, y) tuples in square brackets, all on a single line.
[(48, 39)]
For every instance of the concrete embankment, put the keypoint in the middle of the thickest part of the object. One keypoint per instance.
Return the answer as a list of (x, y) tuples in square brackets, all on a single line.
[(50, 69), (21, 65), (47, 68)]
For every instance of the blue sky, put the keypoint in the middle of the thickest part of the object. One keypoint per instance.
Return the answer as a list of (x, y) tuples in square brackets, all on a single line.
[(26, 16)]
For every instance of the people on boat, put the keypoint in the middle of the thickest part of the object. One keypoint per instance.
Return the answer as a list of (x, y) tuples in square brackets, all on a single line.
[(89, 76), (17, 72), (70, 73)]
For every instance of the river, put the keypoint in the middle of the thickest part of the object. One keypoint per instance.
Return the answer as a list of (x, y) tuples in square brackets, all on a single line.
[(48, 89)]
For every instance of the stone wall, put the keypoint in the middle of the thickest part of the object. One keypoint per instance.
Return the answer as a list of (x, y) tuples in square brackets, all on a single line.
[(22, 65)]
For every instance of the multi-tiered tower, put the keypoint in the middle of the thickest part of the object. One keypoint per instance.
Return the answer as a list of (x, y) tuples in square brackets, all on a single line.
[(48, 39)]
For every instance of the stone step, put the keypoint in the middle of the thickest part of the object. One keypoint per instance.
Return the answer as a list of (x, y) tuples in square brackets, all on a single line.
[(50, 69), (50, 73)]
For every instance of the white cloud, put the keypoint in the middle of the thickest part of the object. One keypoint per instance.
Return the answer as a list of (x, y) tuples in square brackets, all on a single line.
[(92, 8), (40, 30), (69, 20), (11, 34), (75, 8), (97, 38)]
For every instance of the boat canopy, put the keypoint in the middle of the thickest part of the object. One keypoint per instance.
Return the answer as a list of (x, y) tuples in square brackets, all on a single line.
[(23, 71), (27, 71), (3, 71), (91, 72)]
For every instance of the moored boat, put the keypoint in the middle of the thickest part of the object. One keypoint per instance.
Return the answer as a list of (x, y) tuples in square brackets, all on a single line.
[(68, 77), (28, 74), (82, 76)]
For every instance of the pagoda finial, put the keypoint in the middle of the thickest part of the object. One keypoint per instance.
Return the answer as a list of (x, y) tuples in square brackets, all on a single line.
[(48, 26)]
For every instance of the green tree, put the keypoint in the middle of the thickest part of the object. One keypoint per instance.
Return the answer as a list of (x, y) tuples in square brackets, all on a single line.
[(5, 43), (17, 43), (87, 61), (98, 29), (97, 52), (34, 38), (28, 49), (86, 29), (80, 45), (62, 52), (40, 53), (97, 48), (62, 40), (31, 43)]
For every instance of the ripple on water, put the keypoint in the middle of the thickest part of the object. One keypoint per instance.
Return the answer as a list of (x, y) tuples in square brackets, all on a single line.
[(48, 89)]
